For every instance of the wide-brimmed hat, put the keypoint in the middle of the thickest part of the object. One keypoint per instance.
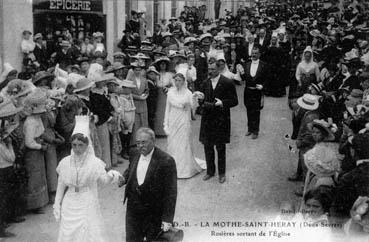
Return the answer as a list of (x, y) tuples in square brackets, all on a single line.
[(117, 66), (206, 35), (83, 84), (113, 80), (140, 56), (17, 88), (322, 124), (152, 69), (26, 32), (119, 54), (7, 109), (126, 83), (65, 43), (166, 34), (82, 59), (41, 75), (173, 18), (137, 64), (308, 102), (105, 77), (35, 103), (159, 52), (161, 59), (189, 40), (76, 66), (98, 34), (322, 161), (173, 54)]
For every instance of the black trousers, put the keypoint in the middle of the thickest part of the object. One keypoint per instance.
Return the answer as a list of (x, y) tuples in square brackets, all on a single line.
[(253, 119), (141, 222), (210, 158)]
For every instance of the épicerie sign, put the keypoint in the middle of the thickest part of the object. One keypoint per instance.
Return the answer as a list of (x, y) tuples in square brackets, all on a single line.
[(68, 5)]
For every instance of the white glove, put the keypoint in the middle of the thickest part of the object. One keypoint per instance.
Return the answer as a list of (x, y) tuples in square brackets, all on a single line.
[(56, 211), (115, 175), (240, 69)]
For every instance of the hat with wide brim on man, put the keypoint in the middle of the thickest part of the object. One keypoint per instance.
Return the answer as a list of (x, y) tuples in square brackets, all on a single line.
[(189, 40), (83, 84), (308, 102), (323, 125)]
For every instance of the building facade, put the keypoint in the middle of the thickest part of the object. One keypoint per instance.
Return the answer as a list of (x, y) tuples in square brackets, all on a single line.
[(83, 17)]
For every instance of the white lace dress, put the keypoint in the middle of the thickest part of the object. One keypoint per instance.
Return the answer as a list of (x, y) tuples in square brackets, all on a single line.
[(81, 219), (177, 123)]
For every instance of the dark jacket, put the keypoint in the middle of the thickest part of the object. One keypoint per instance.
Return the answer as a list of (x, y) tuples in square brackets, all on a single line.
[(100, 105), (253, 98), (159, 189), (351, 186), (216, 121)]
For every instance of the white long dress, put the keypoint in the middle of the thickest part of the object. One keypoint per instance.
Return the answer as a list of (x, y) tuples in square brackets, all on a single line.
[(177, 123), (81, 219)]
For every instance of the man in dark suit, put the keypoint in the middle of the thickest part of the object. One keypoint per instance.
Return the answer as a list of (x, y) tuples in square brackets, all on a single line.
[(263, 41), (255, 77), (219, 96), (151, 189)]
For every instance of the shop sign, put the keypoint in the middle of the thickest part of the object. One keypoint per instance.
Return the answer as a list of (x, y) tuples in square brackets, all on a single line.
[(68, 5)]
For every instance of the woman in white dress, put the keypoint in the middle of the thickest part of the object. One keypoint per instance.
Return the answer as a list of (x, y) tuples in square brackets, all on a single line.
[(76, 202), (177, 125)]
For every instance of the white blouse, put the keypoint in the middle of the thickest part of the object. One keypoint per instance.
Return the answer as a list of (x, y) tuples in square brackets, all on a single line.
[(32, 129)]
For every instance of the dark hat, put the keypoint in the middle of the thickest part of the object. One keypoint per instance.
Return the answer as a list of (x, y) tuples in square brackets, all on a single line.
[(82, 59), (26, 32), (41, 75), (133, 12)]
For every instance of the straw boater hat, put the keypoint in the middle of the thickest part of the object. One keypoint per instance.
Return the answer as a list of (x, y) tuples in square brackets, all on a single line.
[(322, 124), (36, 101), (97, 35), (83, 84), (308, 102), (321, 161), (204, 36)]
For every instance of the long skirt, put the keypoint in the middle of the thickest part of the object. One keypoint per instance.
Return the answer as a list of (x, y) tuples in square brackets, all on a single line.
[(180, 145), (80, 217), (37, 193), (51, 163), (141, 120), (160, 112), (104, 138)]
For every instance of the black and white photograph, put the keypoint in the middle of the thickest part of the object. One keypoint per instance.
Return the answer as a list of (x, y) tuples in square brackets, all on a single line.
[(184, 120)]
